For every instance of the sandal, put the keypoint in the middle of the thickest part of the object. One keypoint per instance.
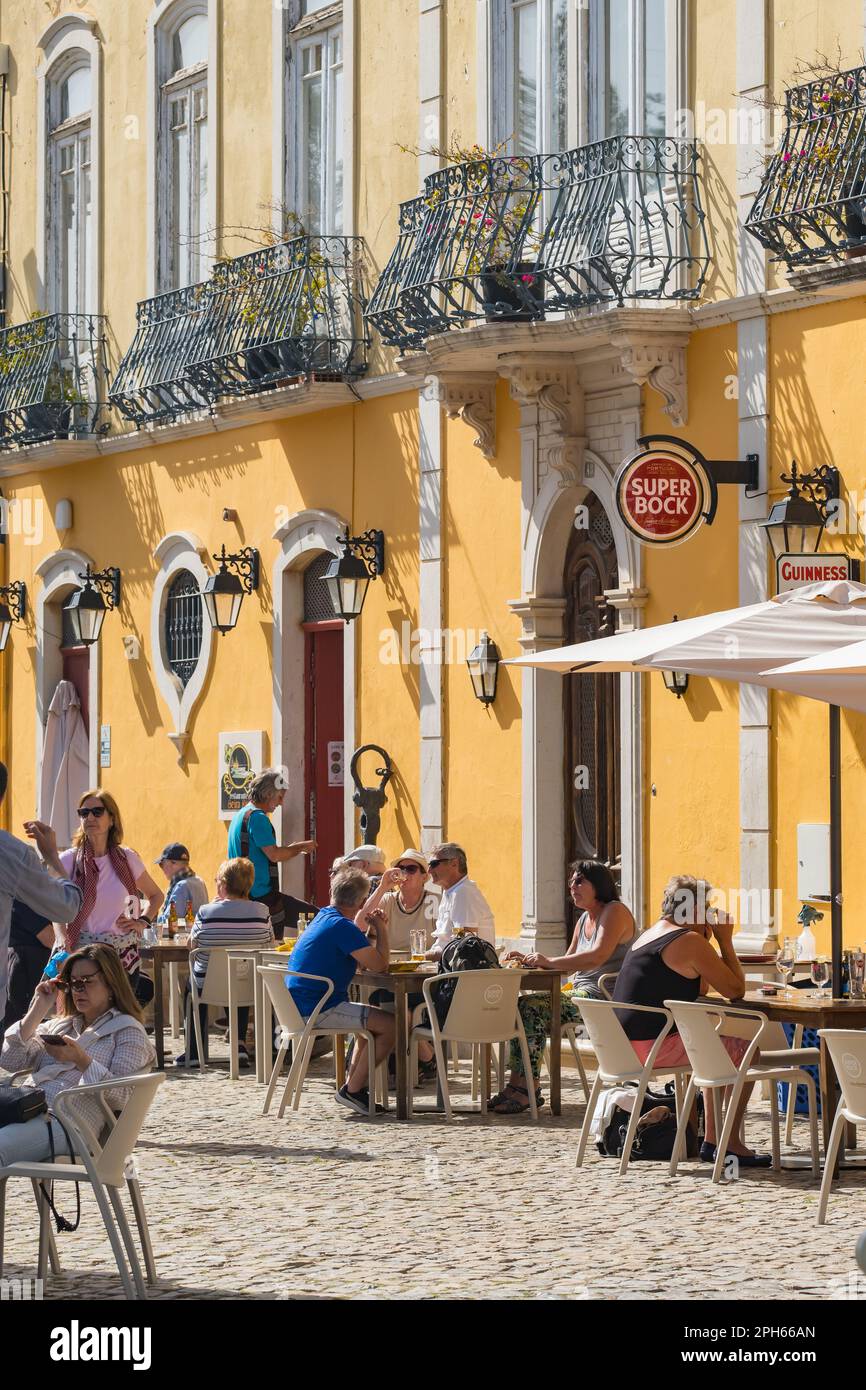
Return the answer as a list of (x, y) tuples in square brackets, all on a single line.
[(502, 1104)]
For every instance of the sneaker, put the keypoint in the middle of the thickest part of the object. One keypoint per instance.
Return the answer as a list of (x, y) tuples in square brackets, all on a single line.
[(182, 1062), (243, 1056), (358, 1101)]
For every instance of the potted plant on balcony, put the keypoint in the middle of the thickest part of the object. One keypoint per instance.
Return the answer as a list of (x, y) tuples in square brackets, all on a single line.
[(486, 201)]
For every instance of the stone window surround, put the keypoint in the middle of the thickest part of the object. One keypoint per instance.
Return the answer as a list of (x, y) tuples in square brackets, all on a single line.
[(179, 550)]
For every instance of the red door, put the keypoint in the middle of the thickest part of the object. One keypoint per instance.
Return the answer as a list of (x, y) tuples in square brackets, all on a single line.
[(324, 762)]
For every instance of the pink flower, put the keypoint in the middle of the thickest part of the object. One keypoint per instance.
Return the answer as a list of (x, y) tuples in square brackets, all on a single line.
[(785, 158), (528, 279)]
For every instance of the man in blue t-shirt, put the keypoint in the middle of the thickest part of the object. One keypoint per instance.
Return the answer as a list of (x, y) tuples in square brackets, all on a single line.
[(266, 794), (334, 946)]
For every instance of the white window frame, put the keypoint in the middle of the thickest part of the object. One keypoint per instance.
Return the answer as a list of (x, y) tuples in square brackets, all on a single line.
[(324, 38), (179, 550), (74, 134), (166, 17), (595, 66), (67, 43), (291, 29), (498, 24)]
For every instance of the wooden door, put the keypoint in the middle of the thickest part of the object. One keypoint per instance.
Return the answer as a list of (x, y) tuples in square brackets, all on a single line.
[(324, 753)]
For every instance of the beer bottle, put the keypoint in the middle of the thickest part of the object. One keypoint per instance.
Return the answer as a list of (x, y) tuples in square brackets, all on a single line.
[(172, 921), (189, 915)]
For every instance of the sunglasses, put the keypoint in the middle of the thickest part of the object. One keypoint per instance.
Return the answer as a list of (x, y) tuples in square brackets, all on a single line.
[(80, 982), (96, 811), (409, 868)]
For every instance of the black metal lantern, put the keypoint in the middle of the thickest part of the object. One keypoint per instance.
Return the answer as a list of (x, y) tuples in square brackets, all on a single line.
[(483, 662), (224, 591), (87, 606), (796, 523), (13, 601), (348, 575), (677, 682)]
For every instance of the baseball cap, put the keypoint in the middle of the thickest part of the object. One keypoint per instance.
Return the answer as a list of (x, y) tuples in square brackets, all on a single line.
[(414, 855), (366, 852), (174, 851)]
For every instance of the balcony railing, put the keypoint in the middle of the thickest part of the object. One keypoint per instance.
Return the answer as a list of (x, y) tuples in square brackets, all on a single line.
[(52, 379), (811, 205), (516, 237), (266, 318)]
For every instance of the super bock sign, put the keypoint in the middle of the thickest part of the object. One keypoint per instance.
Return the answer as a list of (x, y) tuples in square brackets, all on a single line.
[(667, 490)]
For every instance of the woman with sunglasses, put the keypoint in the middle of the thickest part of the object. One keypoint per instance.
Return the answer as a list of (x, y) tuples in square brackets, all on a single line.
[(98, 1036), (113, 880), (604, 931)]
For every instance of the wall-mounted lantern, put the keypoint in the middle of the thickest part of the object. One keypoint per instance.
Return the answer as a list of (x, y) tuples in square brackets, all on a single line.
[(483, 662), (348, 575), (224, 591), (13, 606), (87, 606)]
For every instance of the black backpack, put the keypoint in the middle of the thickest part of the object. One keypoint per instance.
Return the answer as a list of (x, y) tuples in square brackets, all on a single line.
[(656, 1139), (461, 953)]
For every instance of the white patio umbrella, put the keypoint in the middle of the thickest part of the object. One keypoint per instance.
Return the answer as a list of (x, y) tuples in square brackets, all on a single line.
[(748, 645)]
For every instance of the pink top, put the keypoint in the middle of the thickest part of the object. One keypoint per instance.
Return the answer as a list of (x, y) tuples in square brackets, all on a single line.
[(110, 895)]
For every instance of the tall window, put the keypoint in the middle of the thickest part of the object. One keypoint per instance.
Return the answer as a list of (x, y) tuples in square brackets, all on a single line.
[(628, 67), (70, 232), (529, 65), (319, 118), (183, 626), (184, 142)]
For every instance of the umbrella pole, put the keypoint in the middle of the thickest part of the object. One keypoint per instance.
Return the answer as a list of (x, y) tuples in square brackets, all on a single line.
[(836, 849)]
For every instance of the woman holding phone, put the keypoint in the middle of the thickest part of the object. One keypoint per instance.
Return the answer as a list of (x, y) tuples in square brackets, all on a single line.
[(99, 1035), (113, 880)]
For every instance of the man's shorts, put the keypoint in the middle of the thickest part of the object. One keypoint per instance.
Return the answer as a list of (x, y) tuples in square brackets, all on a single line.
[(344, 1018)]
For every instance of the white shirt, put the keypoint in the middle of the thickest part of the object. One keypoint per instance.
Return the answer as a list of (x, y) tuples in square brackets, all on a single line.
[(464, 905)]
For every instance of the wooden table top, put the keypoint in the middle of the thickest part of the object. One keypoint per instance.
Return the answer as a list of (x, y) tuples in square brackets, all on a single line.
[(384, 979), (165, 951), (808, 1009)]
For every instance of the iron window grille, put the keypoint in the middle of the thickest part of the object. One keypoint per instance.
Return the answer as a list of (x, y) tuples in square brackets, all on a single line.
[(811, 205), (265, 318), (183, 626), (318, 607), (52, 379), (520, 235)]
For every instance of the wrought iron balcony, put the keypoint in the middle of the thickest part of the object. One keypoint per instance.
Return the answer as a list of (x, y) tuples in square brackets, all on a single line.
[(811, 205), (515, 237), (52, 379), (272, 316)]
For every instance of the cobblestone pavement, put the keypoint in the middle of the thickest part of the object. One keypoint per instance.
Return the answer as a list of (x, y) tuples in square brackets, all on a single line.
[(326, 1204)]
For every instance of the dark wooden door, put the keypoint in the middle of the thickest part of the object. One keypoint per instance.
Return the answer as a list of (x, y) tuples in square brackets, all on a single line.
[(324, 760), (592, 751)]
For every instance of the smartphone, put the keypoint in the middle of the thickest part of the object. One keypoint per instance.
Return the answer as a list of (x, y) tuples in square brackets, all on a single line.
[(52, 1040)]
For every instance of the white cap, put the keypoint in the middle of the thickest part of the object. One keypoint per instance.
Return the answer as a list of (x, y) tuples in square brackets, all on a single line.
[(369, 852)]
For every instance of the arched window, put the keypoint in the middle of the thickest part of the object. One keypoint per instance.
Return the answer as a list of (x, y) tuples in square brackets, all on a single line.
[(183, 626), (183, 141), (70, 233)]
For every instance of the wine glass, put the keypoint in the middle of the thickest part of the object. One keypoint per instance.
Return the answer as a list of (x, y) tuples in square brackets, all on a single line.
[(820, 972), (786, 958)]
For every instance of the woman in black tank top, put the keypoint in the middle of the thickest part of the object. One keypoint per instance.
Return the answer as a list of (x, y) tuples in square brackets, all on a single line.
[(682, 935)]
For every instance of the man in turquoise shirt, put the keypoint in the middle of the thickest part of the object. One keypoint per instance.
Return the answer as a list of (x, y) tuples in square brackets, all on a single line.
[(253, 825)]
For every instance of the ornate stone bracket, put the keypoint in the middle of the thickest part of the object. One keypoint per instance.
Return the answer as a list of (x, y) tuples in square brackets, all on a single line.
[(661, 365), (548, 380), (472, 397)]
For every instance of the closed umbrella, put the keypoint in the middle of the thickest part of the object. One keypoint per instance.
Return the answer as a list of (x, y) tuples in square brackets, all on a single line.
[(65, 762)]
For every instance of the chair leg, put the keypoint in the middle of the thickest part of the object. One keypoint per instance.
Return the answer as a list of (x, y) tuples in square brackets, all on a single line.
[(476, 1072), (41, 1190), (587, 1119), (196, 1021), (792, 1091), (723, 1135), (578, 1062), (138, 1211), (830, 1163), (277, 1069), (776, 1147), (302, 1071), (634, 1118), (413, 1074), (115, 1241), (53, 1257), (527, 1072), (501, 1076), (813, 1127), (682, 1126), (126, 1236), (443, 1075)]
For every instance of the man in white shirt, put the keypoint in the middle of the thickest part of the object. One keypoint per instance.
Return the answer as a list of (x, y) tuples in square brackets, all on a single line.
[(463, 904)]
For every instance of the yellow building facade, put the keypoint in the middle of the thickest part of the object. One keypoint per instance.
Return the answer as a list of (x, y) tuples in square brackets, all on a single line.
[(206, 195)]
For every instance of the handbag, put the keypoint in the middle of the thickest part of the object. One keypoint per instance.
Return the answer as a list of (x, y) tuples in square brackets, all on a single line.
[(18, 1104)]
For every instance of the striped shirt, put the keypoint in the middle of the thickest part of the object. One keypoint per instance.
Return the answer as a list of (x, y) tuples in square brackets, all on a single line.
[(229, 922)]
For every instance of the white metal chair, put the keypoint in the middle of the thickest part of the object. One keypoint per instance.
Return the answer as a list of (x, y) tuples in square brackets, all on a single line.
[(215, 990), (847, 1050), (301, 1033), (700, 1026), (106, 1163), (619, 1063), (483, 1010)]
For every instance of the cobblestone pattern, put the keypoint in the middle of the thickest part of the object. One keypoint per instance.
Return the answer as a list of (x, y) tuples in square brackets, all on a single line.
[(325, 1204)]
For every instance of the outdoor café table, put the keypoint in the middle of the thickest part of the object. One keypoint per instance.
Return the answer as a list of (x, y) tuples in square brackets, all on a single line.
[(402, 983), (160, 954), (814, 1012)]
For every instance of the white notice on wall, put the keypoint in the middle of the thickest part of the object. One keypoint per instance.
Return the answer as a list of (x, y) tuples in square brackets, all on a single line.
[(105, 745), (335, 764)]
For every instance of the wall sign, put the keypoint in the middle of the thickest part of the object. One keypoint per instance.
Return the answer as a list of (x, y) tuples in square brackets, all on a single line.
[(792, 570), (336, 764), (241, 758), (105, 745), (668, 489)]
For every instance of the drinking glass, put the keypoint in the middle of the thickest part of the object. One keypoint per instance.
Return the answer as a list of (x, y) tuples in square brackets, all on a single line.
[(786, 959), (820, 972), (418, 943)]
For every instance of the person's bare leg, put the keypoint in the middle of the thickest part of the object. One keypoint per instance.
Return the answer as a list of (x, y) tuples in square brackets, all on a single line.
[(382, 1026), (736, 1143)]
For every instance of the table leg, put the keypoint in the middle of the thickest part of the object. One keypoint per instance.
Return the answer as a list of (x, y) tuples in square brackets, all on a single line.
[(263, 1070), (827, 1079), (401, 1050), (556, 1047), (158, 1017), (234, 1072)]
